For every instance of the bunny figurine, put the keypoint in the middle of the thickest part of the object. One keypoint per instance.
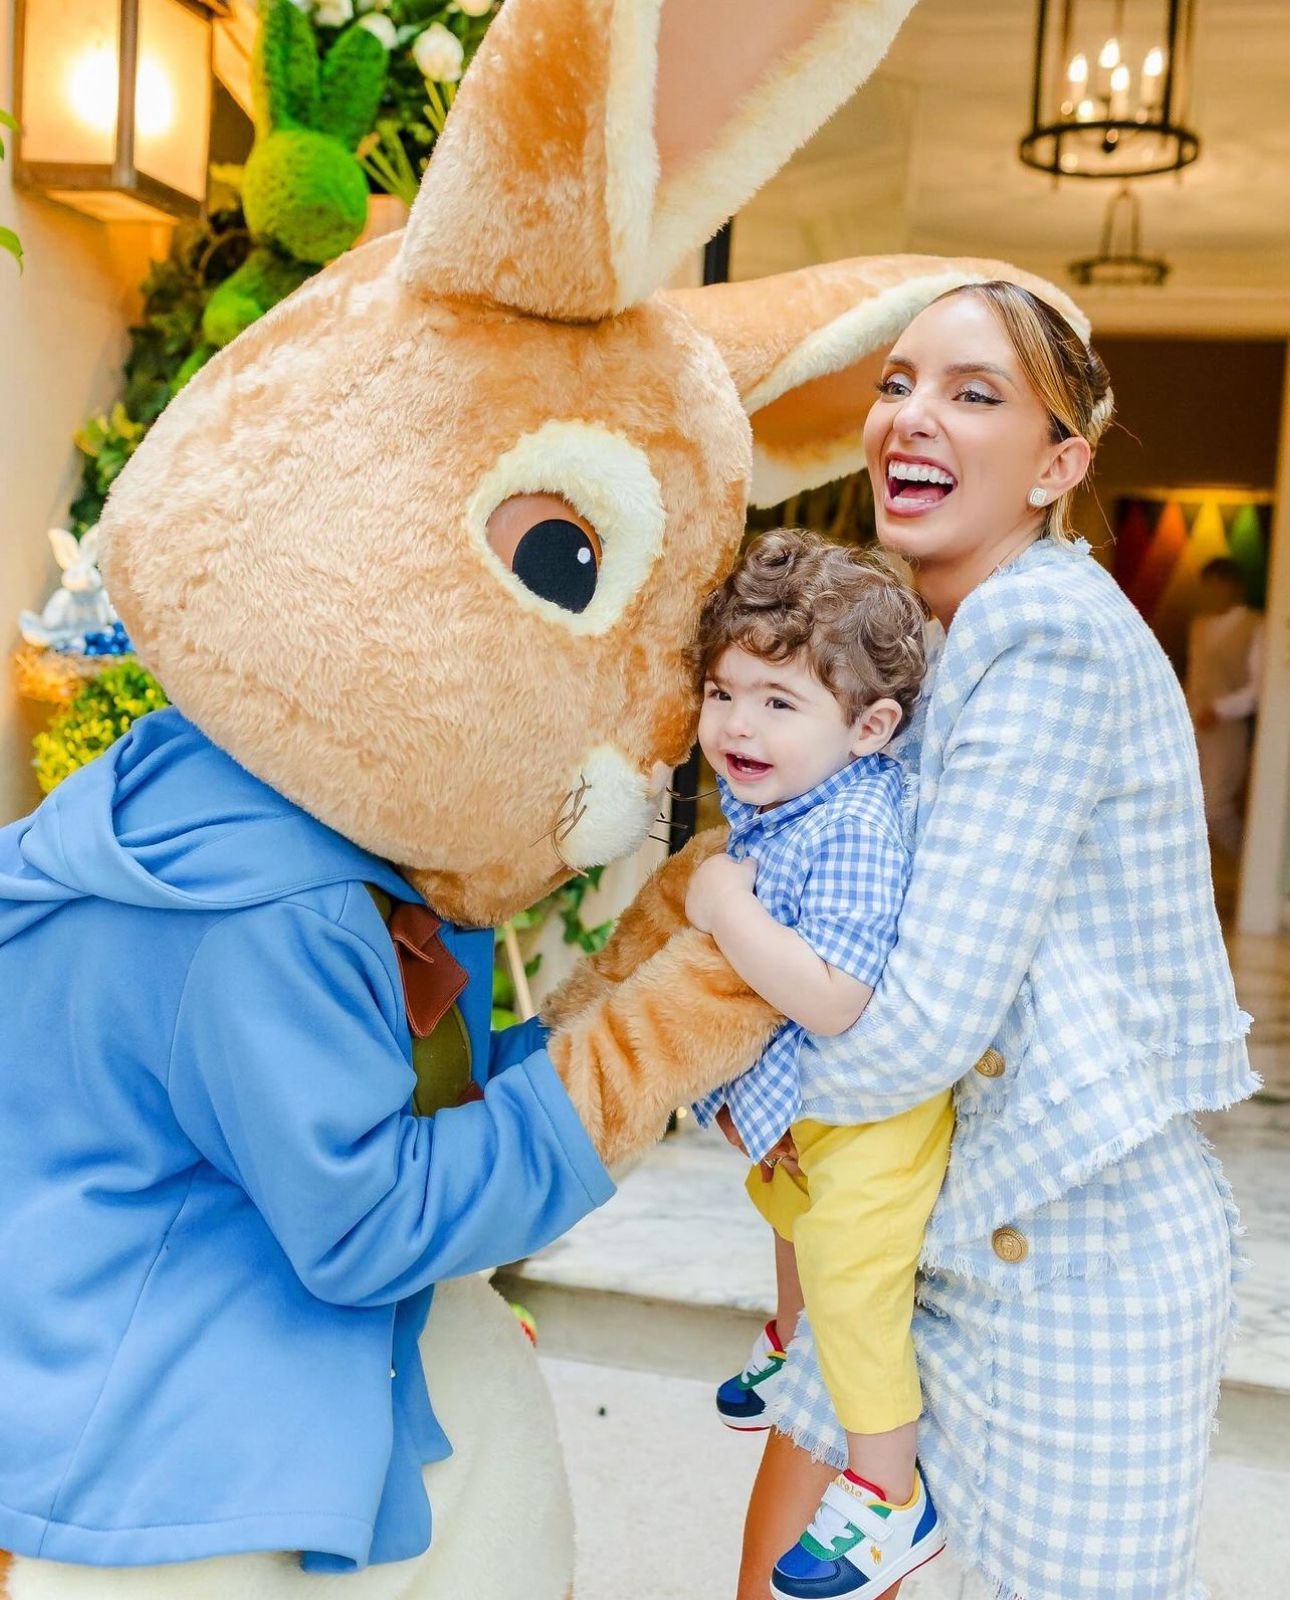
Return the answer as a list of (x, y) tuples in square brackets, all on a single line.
[(80, 606), (303, 191), (418, 559)]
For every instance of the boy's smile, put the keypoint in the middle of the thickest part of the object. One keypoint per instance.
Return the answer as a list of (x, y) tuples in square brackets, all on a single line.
[(772, 730)]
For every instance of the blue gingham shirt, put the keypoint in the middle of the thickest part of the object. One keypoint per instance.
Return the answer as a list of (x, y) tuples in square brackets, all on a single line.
[(833, 866)]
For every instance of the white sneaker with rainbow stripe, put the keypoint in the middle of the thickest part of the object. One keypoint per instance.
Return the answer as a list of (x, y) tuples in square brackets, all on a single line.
[(859, 1544)]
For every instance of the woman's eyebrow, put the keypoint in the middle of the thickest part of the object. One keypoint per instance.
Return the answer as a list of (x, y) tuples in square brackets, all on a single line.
[(962, 369)]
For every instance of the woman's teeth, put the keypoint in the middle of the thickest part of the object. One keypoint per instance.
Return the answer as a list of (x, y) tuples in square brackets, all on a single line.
[(919, 472), (918, 483)]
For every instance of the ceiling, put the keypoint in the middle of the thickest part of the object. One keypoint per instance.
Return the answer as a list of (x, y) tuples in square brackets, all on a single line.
[(924, 159)]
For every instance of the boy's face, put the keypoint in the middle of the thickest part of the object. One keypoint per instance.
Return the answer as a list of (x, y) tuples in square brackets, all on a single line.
[(773, 731)]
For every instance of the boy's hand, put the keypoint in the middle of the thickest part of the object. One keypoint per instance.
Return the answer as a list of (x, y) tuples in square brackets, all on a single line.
[(715, 881), (726, 1123)]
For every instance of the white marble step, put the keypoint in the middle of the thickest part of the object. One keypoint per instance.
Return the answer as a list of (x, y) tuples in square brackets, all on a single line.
[(675, 1274)]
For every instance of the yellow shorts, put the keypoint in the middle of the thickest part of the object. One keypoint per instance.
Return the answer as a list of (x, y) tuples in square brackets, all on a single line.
[(856, 1217)]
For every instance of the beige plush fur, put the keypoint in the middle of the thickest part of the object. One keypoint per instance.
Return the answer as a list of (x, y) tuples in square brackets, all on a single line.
[(300, 550)]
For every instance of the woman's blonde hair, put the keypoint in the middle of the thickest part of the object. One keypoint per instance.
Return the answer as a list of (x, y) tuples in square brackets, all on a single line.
[(1068, 376)]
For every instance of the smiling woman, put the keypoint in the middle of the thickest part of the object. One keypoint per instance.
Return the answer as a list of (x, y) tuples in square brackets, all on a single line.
[(1059, 963)]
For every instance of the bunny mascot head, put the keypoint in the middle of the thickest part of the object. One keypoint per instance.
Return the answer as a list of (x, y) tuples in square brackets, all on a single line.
[(421, 552)]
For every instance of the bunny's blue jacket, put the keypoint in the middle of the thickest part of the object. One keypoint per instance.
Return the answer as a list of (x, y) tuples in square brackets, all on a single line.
[(220, 1224)]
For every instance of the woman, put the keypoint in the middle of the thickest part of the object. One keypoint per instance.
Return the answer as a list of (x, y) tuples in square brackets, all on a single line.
[(1059, 932)]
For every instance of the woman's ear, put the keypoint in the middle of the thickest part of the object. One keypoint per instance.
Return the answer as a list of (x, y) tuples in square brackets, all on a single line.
[(594, 143), (806, 349), (1067, 467)]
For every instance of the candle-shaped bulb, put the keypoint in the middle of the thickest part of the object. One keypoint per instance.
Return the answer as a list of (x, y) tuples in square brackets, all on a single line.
[(1077, 73), (1154, 65), (1110, 56), (1120, 80)]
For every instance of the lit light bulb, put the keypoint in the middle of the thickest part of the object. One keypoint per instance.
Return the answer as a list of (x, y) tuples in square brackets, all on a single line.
[(154, 99), (1152, 72), (1086, 111), (1120, 81), (92, 90), (1110, 56), (1077, 72)]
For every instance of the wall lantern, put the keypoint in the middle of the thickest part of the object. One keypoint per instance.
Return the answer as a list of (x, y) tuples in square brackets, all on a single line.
[(114, 104), (1119, 262), (1110, 89)]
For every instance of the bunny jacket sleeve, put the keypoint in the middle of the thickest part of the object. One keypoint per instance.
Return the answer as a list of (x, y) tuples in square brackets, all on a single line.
[(369, 1203)]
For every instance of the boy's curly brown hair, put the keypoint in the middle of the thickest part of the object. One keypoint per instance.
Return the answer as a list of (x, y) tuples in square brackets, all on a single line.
[(847, 611)]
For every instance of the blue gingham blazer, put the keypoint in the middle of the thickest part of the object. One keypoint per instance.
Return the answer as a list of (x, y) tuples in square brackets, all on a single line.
[(1060, 911)]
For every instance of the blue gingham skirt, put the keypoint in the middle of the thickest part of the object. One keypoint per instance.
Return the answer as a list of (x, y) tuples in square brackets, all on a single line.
[(1066, 1428)]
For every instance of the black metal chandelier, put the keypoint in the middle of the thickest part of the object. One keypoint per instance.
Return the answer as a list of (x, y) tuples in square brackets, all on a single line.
[(1110, 89), (1119, 262)]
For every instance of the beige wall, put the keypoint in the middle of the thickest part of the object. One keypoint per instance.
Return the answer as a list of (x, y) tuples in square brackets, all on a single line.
[(1190, 413), (62, 339)]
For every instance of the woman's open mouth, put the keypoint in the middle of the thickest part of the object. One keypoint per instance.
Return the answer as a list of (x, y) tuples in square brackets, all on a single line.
[(745, 768), (912, 488)]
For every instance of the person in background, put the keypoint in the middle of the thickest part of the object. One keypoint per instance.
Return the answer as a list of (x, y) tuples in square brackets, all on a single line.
[(1224, 668)]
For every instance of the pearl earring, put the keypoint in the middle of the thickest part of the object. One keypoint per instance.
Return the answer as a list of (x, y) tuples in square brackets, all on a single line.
[(1037, 498)]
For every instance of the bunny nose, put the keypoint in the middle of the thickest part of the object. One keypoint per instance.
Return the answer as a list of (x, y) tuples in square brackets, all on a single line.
[(608, 809)]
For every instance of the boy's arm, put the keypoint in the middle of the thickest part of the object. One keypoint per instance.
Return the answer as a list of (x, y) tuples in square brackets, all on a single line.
[(821, 972), (779, 964)]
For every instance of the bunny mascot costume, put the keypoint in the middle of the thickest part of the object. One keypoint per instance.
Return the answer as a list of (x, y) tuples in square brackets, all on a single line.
[(417, 559)]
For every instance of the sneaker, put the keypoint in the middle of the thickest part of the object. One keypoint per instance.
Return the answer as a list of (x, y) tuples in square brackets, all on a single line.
[(743, 1401), (859, 1544)]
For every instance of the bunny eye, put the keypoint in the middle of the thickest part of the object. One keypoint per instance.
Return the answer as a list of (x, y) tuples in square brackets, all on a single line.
[(550, 547)]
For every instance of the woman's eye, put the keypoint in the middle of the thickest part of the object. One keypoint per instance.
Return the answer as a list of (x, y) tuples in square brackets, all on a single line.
[(894, 387), (980, 397), (550, 548)]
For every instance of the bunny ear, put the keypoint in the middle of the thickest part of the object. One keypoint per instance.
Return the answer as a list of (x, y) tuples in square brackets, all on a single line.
[(66, 550), (806, 349), (284, 79), (87, 552), (596, 142)]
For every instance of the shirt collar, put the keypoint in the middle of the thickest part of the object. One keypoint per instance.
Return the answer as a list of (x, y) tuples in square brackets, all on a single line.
[(747, 821)]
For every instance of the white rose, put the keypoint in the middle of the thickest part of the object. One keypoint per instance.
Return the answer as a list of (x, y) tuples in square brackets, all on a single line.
[(382, 28), (475, 8), (334, 13), (439, 54)]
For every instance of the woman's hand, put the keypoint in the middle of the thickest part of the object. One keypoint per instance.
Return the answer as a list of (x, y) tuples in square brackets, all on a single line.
[(781, 1154), (716, 881)]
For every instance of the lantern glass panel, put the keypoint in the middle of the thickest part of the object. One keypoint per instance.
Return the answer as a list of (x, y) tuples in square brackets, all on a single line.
[(172, 100), (70, 82)]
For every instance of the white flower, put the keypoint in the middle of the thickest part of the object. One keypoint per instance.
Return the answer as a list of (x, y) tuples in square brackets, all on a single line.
[(439, 54), (334, 13), (303, 5), (475, 8), (373, 5), (382, 28)]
